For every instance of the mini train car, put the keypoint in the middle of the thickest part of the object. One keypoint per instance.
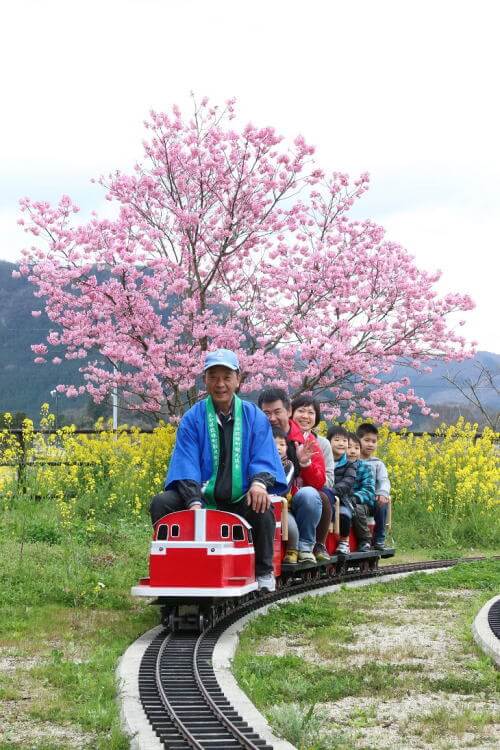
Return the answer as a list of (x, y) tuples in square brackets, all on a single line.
[(208, 555)]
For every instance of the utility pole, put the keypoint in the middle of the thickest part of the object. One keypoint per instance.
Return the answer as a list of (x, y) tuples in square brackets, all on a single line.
[(55, 395), (114, 398)]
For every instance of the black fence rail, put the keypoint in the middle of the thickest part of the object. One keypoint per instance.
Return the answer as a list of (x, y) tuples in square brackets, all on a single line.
[(87, 431), (150, 430)]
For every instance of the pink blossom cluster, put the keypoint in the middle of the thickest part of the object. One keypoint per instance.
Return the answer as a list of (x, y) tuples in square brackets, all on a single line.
[(232, 238)]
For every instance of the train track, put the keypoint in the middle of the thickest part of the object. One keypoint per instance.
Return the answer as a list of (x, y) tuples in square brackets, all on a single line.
[(177, 685)]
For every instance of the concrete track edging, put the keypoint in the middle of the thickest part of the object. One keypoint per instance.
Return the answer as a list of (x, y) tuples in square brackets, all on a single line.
[(483, 634), (134, 721)]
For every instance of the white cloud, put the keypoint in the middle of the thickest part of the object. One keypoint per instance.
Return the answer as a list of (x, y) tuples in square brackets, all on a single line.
[(12, 238), (466, 250)]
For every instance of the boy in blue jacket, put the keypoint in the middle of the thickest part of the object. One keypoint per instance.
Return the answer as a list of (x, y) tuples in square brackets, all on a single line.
[(368, 436), (363, 494)]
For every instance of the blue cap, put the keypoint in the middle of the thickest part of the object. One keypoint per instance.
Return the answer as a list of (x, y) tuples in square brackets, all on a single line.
[(222, 357)]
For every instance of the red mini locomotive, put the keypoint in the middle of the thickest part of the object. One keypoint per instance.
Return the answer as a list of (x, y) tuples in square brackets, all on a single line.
[(200, 553), (201, 557)]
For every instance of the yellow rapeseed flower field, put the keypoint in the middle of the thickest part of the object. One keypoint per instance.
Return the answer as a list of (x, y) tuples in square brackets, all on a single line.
[(452, 476), (87, 476), (444, 487), (453, 472)]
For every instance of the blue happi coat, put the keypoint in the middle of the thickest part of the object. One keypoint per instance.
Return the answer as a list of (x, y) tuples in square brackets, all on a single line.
[(192, 456)]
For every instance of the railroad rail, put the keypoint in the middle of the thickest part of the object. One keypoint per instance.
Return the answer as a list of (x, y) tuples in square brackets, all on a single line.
[(177, 685), (494, 619)]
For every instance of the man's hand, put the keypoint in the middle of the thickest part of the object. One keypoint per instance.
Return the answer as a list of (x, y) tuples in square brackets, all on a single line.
[(382, 500), (258, 498)]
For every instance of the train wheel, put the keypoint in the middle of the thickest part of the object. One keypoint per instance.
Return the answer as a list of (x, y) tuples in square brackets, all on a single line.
[(168, 619), (341, 567), (364, 566), (330, 571), (164, 613)]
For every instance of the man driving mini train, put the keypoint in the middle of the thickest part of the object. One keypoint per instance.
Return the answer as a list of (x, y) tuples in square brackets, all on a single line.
[(225, 458)]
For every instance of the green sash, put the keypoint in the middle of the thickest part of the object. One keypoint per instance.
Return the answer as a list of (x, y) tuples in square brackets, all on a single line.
[(213, 434)]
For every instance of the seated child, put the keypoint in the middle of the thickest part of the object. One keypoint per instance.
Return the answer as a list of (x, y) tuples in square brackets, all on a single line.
[(292, 547), (363, 494), (368, 437), (345, 476)]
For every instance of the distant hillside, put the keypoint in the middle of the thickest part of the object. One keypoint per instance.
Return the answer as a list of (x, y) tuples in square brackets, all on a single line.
[(24, 386), (446, 399), (433, 385)]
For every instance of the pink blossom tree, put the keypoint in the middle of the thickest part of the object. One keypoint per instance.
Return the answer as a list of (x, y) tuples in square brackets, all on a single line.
[(230, 238)]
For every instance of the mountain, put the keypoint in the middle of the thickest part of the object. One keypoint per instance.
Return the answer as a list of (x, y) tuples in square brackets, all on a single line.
[(24, 386), (446, 399), (434, 384)]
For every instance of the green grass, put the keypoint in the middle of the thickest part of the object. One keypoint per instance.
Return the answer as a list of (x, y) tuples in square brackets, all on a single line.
[(74, 571), (281, 679), (431, 725), (65, 604), (414, 528), (302, 726), (438, 553)]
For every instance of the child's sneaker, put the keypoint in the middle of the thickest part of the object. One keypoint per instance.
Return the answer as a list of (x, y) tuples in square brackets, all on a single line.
[(291, 557), (306, 556), (379, 545), (365, 547), (321, 553), (343, 548)]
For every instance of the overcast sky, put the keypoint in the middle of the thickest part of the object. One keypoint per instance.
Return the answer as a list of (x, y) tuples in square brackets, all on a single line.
[(404, 89)]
